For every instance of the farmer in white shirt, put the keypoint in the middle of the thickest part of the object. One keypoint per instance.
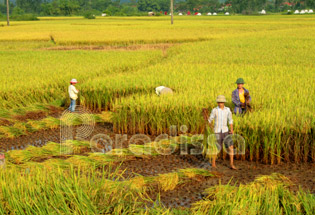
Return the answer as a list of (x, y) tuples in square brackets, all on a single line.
[(73, 93), (161, 90), (221, 116)]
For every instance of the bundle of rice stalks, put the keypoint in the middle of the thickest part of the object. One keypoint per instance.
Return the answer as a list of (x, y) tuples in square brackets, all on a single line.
[(193, 172), (167, 181), (36, 125), (71, 191), (30, 153), (55, 163), (11, 132), (210, 147), (165, 147), (193, 139), (73, 119), (123, 152), (75, 147), (142, 150), (137, 183), (266, 195), (51, 122), (82, 162), (102, 158), (53, 148), (105, 116)]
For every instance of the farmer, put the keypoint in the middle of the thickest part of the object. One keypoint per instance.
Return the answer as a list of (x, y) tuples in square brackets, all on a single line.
[(161, 90), (73, 93), (241, 97), (222, 116)]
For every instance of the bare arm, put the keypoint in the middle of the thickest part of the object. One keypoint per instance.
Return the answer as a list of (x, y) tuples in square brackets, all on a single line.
[(231, 129)]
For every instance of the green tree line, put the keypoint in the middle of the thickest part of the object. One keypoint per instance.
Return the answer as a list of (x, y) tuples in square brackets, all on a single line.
[(141, 7)]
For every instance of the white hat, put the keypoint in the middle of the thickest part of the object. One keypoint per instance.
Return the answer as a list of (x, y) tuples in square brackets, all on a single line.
[(221, 98), (73, 81)]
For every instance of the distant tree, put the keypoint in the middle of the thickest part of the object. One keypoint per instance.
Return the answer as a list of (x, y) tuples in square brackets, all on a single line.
[(17, 11), (67, 7), (29, 6), (3, 8), (310, 3), (278, 3), (164, 4), (111, 10), (101, 4), (116, 3), (239, 5), (192, 4), (148, 5), (129, 10)]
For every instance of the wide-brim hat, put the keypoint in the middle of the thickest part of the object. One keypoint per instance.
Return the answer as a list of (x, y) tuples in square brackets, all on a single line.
[(221, 98), (240, 81), (73, 81)]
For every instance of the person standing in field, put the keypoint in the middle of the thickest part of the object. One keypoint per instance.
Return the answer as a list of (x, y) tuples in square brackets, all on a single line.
[(73, 93), (161, 90), (222, 116), (241, 97)]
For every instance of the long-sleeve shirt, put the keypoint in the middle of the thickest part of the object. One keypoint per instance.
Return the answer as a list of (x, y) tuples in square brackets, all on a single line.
[(159, 89), (236, 97), (221, 119), (73, 92)]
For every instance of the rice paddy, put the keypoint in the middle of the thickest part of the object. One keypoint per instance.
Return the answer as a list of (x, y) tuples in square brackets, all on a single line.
[(118, 62)]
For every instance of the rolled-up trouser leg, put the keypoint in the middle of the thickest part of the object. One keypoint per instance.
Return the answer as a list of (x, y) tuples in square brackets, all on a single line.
[(72, 105), (224, 138)]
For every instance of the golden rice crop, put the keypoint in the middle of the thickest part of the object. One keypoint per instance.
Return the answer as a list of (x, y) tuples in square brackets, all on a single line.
[(266, 195), (273, 54)]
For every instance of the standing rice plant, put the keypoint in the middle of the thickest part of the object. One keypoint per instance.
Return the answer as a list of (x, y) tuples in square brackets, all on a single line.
[(66, 192), (266, 195)]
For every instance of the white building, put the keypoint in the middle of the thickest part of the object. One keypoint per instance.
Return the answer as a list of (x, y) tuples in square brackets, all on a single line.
[(227, 13), (296, 12), (209, 14), (104, 14), (214, 14)]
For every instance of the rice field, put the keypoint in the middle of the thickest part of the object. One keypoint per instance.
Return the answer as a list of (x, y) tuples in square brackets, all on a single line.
[(118, 62), (96, 183)]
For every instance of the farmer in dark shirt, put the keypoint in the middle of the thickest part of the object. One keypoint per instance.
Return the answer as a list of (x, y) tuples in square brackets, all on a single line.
[(241, 97)]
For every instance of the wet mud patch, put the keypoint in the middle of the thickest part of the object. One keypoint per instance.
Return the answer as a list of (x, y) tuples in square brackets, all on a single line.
[(32, 115), (185, 194), (5, 122), (42, 159), (153, 165), (42, 137), (52, 111)]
